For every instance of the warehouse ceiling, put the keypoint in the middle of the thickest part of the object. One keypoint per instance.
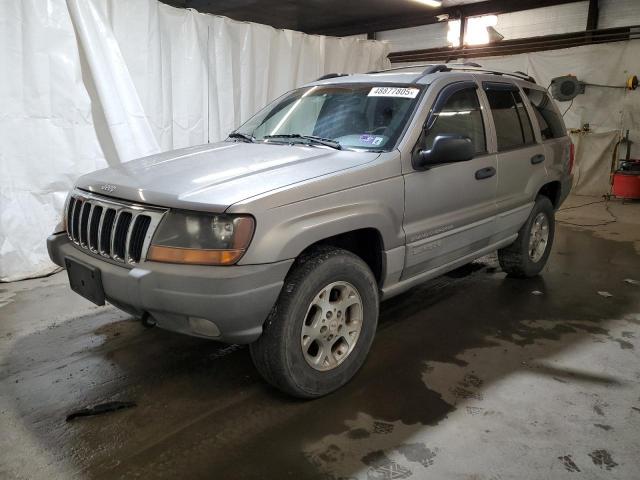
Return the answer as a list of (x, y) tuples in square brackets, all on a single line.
[(349, 17)]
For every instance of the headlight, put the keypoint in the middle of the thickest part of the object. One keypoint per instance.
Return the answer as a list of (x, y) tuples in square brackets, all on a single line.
[(201, 239)]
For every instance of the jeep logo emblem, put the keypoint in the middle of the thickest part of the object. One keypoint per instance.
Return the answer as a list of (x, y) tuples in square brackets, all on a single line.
[(108, 188)]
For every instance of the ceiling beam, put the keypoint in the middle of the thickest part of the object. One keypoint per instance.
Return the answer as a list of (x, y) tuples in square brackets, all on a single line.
[(521, 45), (592, 16), (430, 16)]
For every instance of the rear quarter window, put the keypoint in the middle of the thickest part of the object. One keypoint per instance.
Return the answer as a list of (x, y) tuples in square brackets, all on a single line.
[(549, 120)]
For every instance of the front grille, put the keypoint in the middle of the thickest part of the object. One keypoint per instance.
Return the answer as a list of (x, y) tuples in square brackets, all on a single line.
[(111, 228)]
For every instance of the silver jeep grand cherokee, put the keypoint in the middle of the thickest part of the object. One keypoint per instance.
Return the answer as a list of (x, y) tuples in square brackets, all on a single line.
[(349, 190)]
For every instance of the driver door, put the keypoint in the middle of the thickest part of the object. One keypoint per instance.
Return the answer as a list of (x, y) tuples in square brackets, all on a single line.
[(450, 208)]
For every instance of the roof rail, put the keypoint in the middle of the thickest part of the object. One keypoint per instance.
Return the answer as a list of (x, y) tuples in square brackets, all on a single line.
[(430, 68), (518, 74), (421, 65), (331, 75), (473, 67)]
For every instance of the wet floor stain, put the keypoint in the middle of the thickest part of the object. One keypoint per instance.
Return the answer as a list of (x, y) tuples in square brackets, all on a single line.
[(440, 349), (603, 459)]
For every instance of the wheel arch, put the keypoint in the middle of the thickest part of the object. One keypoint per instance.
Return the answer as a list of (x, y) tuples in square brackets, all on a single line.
[(367, 243), (552, 191)]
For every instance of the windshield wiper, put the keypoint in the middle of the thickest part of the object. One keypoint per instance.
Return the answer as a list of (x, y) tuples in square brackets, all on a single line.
[(310, 138), (242, 136)]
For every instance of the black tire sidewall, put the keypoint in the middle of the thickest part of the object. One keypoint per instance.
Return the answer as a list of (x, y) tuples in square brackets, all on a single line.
[(342, 267), (542, 205)]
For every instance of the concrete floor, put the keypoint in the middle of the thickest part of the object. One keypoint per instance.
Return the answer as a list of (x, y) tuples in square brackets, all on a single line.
[(470, 377)]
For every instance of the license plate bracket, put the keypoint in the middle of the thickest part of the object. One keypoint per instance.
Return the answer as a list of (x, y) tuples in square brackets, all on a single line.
[(85, 280)]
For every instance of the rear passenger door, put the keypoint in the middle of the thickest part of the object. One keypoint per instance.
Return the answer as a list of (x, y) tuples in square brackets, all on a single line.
[(450, 208), (552, 131), (521, 159)]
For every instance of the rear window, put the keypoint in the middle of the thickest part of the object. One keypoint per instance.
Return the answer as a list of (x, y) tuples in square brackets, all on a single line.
[(551, 124)]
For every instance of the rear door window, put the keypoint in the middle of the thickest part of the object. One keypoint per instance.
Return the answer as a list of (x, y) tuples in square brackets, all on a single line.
[(550, 122), (513, 126)]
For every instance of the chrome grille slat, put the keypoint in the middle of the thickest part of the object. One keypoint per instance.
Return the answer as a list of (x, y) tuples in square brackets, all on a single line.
[(69, 212), (77, 206), (94, 221), (105, 236), (84, 220), (120, 234), (135, 242), (100, 227), (114, 229), (132, 222), (112, 240), (85, 215)]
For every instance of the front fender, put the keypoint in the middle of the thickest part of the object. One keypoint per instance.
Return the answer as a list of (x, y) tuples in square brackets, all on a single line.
[(285, 231)]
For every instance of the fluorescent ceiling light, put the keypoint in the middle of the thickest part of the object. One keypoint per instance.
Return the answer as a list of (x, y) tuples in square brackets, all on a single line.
[(431, 3)]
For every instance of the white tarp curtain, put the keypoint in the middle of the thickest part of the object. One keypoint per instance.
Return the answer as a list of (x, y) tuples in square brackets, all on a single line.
[(594, 155), (92, 83)]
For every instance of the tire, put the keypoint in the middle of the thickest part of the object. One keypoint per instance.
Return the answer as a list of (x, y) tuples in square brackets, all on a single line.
[(516, 259), (279, 354)]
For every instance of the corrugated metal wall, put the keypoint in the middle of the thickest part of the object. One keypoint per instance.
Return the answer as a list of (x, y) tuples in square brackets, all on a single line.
[(416, 38), (618, 13), (570, 17)]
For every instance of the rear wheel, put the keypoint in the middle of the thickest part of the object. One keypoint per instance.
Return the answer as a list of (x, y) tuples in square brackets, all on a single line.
[(321, 329), (527, 256)]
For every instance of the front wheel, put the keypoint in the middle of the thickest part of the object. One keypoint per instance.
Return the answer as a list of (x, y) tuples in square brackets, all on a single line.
[(322, 326), (527, 256)]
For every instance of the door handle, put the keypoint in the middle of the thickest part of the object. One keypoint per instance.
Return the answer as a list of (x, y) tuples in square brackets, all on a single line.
[(486, 172), (537, 159)]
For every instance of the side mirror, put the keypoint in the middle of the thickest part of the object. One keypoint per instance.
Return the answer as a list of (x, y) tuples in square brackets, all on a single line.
[(446, 149)]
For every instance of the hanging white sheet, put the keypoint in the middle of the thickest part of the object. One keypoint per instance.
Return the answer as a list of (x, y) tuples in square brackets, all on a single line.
[(92, 83)]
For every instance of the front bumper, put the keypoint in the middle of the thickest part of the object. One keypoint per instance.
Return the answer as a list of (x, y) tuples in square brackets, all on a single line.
[(229, 304)]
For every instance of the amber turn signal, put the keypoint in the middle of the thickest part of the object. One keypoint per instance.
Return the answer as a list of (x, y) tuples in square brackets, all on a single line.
[(193, 256)]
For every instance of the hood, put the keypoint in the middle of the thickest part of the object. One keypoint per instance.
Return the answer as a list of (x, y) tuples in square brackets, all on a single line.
[(215, 176)]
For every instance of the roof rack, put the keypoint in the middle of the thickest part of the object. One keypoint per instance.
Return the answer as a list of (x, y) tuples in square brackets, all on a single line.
[(430, 68), (423, 65), (473, 67)]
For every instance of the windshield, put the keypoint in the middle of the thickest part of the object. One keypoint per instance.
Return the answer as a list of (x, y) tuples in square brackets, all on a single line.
[(358, 117)]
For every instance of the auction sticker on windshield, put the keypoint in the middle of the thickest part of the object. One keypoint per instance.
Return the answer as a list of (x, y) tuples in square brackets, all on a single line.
[(401, 92)]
